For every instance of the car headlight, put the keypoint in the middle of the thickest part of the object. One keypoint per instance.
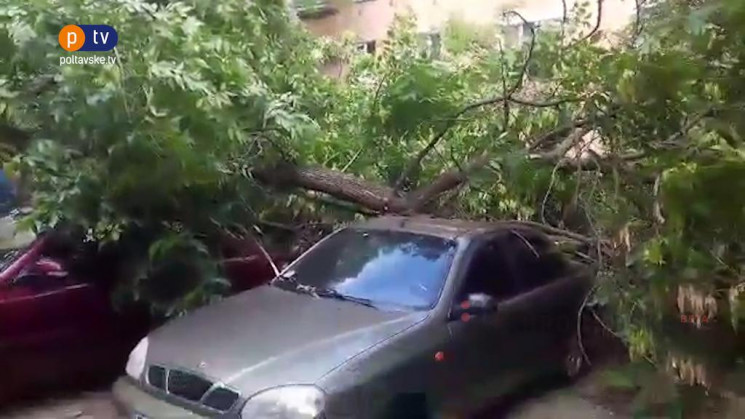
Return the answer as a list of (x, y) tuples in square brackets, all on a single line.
[(136, 361), (290, 402)]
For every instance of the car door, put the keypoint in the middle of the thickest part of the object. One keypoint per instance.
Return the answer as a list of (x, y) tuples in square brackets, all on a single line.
[(482, 346), (21, 325), (53, 323), (31, 311), (551, 295)]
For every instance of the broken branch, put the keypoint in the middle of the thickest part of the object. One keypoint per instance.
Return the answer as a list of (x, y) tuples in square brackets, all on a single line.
[(414, 163)]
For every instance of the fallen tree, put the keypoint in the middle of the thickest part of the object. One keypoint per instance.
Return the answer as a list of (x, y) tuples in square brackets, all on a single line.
[(215, 117)]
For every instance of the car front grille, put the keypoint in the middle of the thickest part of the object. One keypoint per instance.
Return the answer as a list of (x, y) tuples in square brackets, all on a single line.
[(156, 376), (221, 399), (191, 387)]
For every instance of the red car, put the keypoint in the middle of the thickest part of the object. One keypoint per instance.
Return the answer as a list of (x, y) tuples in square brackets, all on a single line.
[(57, 323)]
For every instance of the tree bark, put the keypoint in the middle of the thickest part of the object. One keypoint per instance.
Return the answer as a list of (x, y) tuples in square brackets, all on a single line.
[(368, 195), (334, 183), (446, 181)]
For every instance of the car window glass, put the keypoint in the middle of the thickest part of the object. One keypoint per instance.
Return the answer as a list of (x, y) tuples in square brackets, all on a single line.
[(8, 256), (76, 256), (11, 239), (37, 281), (489, 273), (534, 259), (387, 267)]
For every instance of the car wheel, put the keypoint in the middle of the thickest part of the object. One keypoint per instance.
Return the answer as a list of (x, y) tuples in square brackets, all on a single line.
[(573, 362), (408, 406)]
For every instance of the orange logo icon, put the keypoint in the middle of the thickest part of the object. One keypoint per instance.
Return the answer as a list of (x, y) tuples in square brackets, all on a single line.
[(71, 38)]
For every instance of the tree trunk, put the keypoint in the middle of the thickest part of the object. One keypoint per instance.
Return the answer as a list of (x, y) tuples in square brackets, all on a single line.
[(339, 185), (368, 195)]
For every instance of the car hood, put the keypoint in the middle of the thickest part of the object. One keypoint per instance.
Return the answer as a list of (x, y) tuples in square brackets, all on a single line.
[(267, 337)]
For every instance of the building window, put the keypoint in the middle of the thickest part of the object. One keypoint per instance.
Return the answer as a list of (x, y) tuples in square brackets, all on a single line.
[(518, 34), (431, 44), (434, 44), (367, 47), (314, 9)]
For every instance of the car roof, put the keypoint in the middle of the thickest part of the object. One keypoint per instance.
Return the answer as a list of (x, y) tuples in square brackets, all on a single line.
[(443, 227)]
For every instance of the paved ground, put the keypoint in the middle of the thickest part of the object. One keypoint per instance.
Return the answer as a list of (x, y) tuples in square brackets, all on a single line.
[(87, 405), (556, 404), (560, 404)]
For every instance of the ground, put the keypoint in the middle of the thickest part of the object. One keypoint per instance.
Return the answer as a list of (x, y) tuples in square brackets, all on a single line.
[(583, 400), (87, 405), (563, 403)]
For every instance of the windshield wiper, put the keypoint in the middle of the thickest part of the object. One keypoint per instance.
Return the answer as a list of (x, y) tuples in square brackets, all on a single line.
[(290, 278), (332, 293), (285, 277)]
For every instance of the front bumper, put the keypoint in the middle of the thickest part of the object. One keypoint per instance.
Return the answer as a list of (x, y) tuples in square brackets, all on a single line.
[(131, 400)]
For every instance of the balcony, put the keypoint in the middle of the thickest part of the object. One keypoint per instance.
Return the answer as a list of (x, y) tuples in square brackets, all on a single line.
[(315, 9)]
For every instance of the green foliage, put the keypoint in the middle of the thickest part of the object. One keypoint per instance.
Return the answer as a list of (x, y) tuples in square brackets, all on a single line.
[(160, 141), (155, 152), (461, 36)]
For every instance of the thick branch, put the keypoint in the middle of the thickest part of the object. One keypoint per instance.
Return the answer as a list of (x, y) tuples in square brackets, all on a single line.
[(419, 198), (382, 199), (555, 133), (334, 183), (336, 203), (560, 151), (373, 198)]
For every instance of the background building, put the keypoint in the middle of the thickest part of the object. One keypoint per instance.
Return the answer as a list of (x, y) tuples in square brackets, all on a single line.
[(369, 20)]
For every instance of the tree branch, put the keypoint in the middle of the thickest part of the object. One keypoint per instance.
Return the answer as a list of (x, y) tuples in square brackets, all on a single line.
[(638, 25), (595, 28), (528, 57), (332, 182), (559, 152), (549, 136), (546, 104), (505, 102), (555, 231), (343, 205), (419, 198), (414, 163), (563, 20)]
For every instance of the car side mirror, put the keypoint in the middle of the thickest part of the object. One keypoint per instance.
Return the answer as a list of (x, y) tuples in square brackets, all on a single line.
[(49, 267), (474, 305), (40, 273)]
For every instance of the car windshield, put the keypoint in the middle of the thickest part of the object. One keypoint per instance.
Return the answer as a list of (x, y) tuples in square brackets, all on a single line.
[(13, 243), (386, 268)]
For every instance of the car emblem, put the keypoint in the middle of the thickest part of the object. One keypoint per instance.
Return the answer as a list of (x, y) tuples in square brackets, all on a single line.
[(202, 365)]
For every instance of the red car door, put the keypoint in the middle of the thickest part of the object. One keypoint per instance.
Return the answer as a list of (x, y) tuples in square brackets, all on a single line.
[(245, 263), (47, 319)]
